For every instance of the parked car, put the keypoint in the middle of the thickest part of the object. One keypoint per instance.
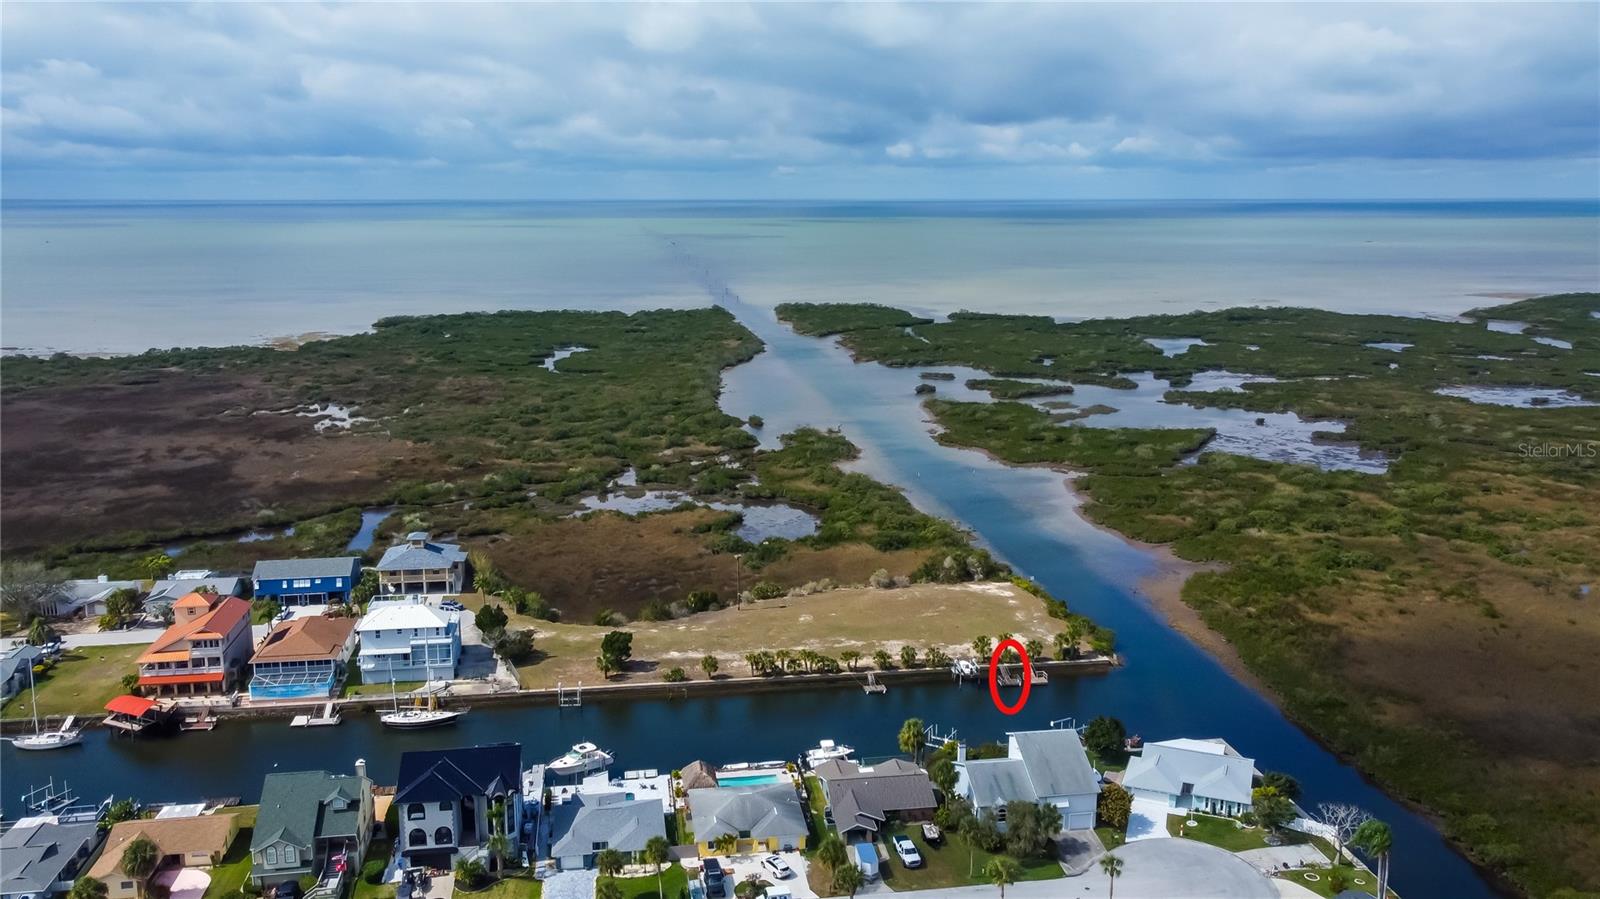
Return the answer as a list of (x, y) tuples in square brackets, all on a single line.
[(451, 605), (932, 835), (777, 867), (715, 879), (907, 850)]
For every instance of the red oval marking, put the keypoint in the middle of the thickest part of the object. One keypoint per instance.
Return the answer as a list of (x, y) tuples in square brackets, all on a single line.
[(994, 677)]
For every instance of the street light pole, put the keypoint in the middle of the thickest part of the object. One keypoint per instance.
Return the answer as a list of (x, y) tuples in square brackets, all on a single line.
[(738, 594)]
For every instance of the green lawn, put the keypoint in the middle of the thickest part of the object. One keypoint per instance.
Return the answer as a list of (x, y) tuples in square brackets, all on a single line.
[(228, 877), (818, 800), (510, 887), (1224, 833), (674, 883), (679, 833), (354, 686), (1323, 885), (955, 863), (81, 683), (378, 849), (1110, 837)]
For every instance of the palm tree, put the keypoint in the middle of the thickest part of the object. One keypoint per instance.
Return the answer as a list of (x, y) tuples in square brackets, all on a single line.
[(499, 846), (726, 843), (848, 879), (850, 657), (983, 646), (831, 852), (1375, 838), (753, 659), (911, 736), (657, 852), (609, 862), (139, 859), (469, 872), (709, 665), (87, 888), (607, 889), (1111, 866), (1002, 872)]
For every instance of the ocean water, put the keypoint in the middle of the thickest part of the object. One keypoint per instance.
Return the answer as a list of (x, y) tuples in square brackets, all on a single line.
[(91, 277)]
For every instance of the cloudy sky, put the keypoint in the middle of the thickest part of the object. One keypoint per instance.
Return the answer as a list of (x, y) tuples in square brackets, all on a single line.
[(778, 100)]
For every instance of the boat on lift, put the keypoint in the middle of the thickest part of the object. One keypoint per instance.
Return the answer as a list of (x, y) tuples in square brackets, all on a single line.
[(580, 759), (827, 751)]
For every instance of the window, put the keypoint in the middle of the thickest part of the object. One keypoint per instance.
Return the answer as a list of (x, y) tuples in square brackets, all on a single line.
[(444, 806), (416, 838), (1000, 814), (744, 834), (599, 846), (290, 856), (127, 884), (415, 812), (443, 837), (302, 582), (272, 855)]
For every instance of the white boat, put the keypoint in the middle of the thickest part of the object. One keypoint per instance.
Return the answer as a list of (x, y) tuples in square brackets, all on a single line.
[(966, 668), (827, 751), (60, 738), (421, 715), (580, 759)]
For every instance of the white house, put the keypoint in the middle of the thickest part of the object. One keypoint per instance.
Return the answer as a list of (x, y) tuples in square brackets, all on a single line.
[(1200, 775), (408, 641), (420, 565), (450, 802), (1040, 766), (85, 597)]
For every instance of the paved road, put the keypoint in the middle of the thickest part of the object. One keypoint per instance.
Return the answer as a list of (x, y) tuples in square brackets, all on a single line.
[(135, 635)]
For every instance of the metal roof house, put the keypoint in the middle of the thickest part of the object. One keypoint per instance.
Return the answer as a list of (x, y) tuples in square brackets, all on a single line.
[(41, 859), (863, 798), (408, 641), (14, 665), (311, 822), (763, 818), (586, 824), (306, 582), (420, 565), (86, 597), (445, 797), (1201, 775), (1040, 766)]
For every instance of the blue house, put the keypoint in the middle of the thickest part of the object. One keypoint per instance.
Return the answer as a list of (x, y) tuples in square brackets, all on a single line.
[(307, 582)]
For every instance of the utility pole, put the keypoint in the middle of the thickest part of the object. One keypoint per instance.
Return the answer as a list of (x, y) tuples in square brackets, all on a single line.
[(738, 594)]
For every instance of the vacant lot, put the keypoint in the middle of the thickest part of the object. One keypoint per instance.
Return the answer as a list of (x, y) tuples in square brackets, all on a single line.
[(862, 619), (81, 683)]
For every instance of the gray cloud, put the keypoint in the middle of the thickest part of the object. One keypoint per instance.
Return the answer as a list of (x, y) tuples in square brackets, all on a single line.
[(1047, 95)]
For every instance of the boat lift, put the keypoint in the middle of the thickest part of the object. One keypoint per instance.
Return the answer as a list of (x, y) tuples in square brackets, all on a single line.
[(569, 698)]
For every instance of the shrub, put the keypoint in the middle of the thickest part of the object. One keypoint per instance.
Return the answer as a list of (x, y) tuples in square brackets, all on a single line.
[(490, 619), (516, 646), (1114, 806), (765, 590), (675, 676), (372, 871)]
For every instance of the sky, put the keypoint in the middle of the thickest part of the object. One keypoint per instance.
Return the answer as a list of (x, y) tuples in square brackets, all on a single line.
[(766, 101)]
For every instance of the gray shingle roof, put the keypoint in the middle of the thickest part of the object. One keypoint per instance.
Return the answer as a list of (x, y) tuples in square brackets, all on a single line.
[(862, 798), (1057, 764), (766, 811), (407, 557), (34, 857), (288, 569), (992, 782), (16, 660), (622, 824), (299, 807)]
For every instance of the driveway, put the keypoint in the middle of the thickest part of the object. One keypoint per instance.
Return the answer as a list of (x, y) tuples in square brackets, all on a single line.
[(570, 885), (1283, 858), (742, 866), (112, 638), (1077, 850), (1147, 820), (184, 883)]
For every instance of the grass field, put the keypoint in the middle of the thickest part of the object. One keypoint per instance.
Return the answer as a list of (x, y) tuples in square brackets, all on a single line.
[(1224, 833), (945, 615), (1427, 622), (511, 887), (81, 683), (955, 863), (674, 881), (227, 877), (1323, 884), (378, 849)]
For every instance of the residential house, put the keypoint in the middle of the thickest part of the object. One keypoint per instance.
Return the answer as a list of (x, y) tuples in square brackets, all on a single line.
[(179, 584), (15, 663), (306, 582), (197, 842), (447, 799), (86, 597), (420, 565), (302, 658), (206, 650), (40, 858), (765, 818), (863, 798), (404, 640), (1199, 775), (586, 824), (1040, 766), (698, 775), (311, 823)]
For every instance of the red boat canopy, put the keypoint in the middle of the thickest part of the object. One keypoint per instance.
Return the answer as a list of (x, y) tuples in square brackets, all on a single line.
[(135, 706)]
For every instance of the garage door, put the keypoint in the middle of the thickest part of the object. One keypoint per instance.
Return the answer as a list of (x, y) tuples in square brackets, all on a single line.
[(1080, 821)]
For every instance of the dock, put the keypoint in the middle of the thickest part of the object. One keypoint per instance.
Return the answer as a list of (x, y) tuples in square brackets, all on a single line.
[(569, 697), (328, 718), (872, 685), (202, 721)]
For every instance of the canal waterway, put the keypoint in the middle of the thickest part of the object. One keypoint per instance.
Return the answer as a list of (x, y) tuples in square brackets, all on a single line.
[(1168, 688)]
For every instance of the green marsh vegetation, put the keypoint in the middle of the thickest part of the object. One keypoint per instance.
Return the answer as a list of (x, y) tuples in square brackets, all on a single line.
[(1436, 623)]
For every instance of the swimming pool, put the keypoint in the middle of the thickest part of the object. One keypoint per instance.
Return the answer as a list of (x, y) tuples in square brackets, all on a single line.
[(748, 780)]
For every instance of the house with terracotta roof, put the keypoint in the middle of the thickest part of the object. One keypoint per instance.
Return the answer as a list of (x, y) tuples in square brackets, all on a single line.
[(199, 841), (206, 650), (303, 658)]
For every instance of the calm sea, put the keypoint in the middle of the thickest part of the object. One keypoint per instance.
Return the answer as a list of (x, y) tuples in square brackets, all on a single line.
[(93, 277)]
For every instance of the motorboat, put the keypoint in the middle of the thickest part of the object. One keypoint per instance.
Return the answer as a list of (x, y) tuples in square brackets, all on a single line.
[(59, 738), (580, 759), (966, 668), (827, 751)]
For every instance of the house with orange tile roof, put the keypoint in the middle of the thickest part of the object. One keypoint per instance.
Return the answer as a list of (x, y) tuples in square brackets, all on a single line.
[(206, 650), (302, 658)]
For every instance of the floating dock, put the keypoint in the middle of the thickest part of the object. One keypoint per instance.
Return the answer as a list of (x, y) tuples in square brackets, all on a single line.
[(328, 718)]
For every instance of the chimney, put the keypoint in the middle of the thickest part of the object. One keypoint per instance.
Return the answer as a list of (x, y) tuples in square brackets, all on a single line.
[(961, 752), (361, 768)]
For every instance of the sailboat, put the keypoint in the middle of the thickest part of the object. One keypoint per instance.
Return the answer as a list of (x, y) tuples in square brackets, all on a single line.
[(63, 736), (420, 715)]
